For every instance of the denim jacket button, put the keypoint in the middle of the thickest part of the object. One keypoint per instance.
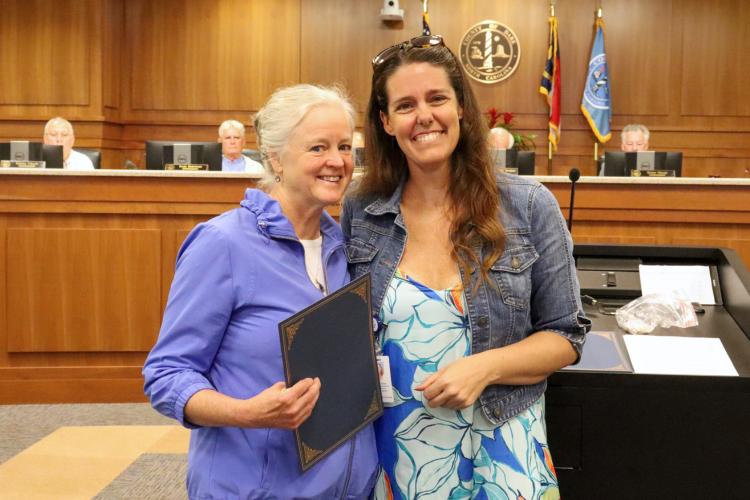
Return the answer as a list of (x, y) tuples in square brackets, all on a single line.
[(483, 321), (498, 413), (515, 263)]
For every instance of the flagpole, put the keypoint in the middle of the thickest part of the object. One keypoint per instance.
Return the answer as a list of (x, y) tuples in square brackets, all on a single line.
[(596, 142), (549, 158), (425, 20)]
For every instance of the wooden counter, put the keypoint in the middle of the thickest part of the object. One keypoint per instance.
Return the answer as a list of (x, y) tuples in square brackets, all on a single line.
[(677, 211), (87, 259)]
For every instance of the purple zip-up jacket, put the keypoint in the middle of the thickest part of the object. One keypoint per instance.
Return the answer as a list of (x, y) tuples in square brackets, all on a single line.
[(237, 276)]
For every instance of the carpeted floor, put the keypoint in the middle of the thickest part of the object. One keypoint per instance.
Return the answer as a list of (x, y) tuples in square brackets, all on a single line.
[(97, 451)]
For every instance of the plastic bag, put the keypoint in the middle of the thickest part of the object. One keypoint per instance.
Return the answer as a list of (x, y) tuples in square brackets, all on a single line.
[(656, 309)]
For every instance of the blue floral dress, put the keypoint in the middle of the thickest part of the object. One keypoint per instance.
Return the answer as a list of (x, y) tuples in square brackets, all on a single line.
[(438, 453)]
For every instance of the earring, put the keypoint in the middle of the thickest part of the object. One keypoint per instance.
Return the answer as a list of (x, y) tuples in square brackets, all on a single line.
[(278, 178)]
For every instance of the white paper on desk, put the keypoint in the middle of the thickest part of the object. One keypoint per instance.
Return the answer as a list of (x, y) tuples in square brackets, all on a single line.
[(694, 280), (678, 356)]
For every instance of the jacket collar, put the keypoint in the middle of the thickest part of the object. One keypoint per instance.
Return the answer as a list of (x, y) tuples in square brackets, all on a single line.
[(271, 221), (385, 205)]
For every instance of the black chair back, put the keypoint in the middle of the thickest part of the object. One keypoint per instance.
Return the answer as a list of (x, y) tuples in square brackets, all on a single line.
[(253, 154), (94, 156)]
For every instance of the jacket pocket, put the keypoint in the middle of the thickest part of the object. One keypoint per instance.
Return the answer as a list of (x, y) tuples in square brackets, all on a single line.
[(359, 252), (512, 274), (265, 475)]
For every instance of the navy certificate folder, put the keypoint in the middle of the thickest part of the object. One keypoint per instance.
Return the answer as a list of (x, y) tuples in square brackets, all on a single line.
[(602, 352), (333, 340)]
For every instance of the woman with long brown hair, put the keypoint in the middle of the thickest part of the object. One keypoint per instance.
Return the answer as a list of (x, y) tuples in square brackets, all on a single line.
[(473, 287)]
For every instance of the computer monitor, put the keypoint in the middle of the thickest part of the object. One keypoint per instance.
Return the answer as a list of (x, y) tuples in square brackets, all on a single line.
[(674, 162), (21, 151), (160, 153), (53, 156), (504, 158), (525, 162), (614, 164), (32, 152), (620, 163)]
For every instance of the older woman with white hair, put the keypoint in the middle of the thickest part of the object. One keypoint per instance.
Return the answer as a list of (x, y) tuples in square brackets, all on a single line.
[(217, 365), (232, 139)]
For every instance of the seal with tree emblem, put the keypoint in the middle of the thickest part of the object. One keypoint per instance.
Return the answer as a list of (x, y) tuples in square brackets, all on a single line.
[(490, 52)]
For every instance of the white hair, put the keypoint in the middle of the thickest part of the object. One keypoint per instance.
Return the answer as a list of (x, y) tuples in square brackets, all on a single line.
[(277, 121), (231, 124), (634, 127), (55, 121)]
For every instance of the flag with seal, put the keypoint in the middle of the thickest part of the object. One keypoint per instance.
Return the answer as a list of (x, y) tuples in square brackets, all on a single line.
[(597, 99)]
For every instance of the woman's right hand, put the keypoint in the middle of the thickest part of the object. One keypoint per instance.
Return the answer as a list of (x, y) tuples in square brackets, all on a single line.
[(280, 408)]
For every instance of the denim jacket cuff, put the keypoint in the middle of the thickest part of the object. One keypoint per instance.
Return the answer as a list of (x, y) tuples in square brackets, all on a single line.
[(575, 339)]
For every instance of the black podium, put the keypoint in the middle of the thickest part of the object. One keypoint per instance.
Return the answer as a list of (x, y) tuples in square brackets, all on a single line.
[(627, 435)]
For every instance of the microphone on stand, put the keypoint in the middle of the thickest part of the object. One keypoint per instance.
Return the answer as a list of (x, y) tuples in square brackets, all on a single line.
[(129, 165), (574, 175)]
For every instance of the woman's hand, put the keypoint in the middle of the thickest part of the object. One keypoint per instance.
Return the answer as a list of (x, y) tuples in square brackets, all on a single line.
[(458, 385), (280, 408)]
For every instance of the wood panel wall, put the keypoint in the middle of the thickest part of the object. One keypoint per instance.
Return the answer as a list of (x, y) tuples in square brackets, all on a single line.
[(125, 72), (86, 262)]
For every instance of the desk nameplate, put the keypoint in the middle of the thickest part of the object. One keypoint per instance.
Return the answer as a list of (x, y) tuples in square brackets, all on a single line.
[(652, 173), (21, 164), (186, 167)]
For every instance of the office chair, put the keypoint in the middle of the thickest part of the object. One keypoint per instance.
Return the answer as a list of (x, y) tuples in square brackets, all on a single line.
[(94, 156), (253, 154)]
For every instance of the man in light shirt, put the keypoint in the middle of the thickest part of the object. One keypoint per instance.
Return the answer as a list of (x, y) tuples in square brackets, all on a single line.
[(634, 138), (59, 132), (232, 139)]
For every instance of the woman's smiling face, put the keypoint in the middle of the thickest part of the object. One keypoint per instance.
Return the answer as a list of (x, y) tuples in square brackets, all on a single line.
[(423, 115), (316, 166)]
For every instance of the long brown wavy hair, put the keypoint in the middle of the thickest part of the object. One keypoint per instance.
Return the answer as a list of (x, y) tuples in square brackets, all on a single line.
[(473, 193)]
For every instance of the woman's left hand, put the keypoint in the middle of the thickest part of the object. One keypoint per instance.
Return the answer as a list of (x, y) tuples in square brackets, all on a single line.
[(458, 385)]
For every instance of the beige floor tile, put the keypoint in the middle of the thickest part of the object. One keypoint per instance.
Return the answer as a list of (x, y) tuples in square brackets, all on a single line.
[(127, 442), (176, 440), (76, 463), (34, 477)]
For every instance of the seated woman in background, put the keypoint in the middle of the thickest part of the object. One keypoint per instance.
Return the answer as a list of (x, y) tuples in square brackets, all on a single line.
[(473, 283), (217, 365)]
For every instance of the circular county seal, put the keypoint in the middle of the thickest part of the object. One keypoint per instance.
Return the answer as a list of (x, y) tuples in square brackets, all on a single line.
[(490, 52), (596, 92)]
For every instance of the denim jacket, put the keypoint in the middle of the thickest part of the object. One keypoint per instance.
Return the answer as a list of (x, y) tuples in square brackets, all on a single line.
[(535, 283)]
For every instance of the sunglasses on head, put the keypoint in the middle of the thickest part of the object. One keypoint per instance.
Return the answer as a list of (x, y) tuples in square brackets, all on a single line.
[(419, 42)]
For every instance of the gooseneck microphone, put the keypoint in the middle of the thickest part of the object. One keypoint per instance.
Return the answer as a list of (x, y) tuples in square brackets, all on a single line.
[(574, 175)]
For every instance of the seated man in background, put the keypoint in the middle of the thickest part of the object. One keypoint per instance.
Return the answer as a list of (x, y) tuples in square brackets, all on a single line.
[(59, 132), (634, 138), (232, 139), (501, 138)]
